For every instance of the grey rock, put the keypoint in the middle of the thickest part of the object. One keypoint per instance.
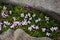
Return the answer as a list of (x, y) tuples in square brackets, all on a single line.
[(53, 5), (19, 34), (50, 7), (8, 35)]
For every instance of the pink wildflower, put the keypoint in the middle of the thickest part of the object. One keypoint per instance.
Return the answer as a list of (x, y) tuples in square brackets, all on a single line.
[(4, 15), (29, 28), (0, 26), (7, 23), (30, 18), (36, 27), (55, 28), (52, 29), (14, 18), (43, 29)]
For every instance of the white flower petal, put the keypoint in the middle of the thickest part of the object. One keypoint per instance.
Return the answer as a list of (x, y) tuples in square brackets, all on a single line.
[(4, 7), (43, 29), (19, 23), (52, 29), (10, 12), (30, 28), (36, 21), (47, 18), (24, 23), (16, 22), (29, 15), (48, 34), (7, 23), (22, 14), (30, 18), (14, 18), (13, 25), (4, 15), (33, 26), (36, 27), (39, 19), (29, 22), (55, 28), (0, 27), (33, 15)]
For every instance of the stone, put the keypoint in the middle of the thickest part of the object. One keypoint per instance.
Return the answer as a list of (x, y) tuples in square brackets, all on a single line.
[(8, 35), (53, 5), (19, 34), (49, 7)]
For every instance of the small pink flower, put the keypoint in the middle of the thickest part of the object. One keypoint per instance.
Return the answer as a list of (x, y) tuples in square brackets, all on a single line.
[(0, 26), (26, 16), (36, 27), (4, 15), (52, 29), (55, 28), (43, 29), (13, 25), (14, 18), (7, 23), (33, 26), (30, 28), (27, 7), (24, 23), (16, 22), (19, 23)]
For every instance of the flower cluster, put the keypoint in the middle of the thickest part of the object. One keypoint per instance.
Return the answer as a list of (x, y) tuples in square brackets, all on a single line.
[(35, 22), (33, 27), (53, 28), (4, 12)]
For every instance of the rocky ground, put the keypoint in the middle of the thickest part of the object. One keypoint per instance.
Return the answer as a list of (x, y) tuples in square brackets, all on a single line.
[(19, 34)]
